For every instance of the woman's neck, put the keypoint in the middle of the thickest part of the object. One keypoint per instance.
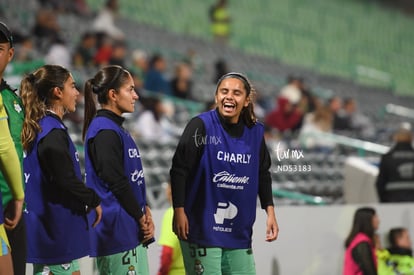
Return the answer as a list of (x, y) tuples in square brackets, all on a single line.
[(57, 110), (112, 108)]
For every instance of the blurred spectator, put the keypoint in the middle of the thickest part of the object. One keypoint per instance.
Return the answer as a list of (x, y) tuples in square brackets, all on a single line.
[(181, 83), (46, 28), (220, 21), (307, 100), (360, 257), (395, 181), (119, 52), (84, 53), (105, 20), (358, 122), (104, 50), (152, 123), (139, 67), (58, 53), (385, 267), (401, 251), (285, 117), (171, 259), (220, 69), (194, 60), (25, 50), (155, 79), (79, 7), (340, 119), (314, 125), (292, 93)]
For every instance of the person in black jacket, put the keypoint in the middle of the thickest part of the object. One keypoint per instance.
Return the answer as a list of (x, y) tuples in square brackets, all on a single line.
[(395, 181)]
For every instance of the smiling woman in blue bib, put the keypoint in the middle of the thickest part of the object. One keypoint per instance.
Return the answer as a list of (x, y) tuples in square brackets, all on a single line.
[(215, 180)]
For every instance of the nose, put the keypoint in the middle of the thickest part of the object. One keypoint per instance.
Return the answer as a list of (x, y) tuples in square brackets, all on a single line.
[(229, 95), (135, 95)]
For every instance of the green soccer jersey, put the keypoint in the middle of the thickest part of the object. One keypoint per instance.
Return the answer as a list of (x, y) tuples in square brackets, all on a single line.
[(15, 113)]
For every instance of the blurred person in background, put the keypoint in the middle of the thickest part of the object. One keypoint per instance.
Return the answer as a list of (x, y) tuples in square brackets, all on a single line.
[(46, 28), (385, 267), (220, 69), (308, 101), (181, 83), (12, 116), (139, 67), (58, 53), (400, 249), (119, 53), (395, 180), (340, 118), (103, 50), (155, 79), (152, 124), (105, 21), (171, 259), (25, 50), (358, 122), (314, 125), (84, 52), (360, 256), (285, 117), (220, 21)]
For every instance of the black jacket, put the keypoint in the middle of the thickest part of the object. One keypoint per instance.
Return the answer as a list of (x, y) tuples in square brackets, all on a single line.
[(395, 181)]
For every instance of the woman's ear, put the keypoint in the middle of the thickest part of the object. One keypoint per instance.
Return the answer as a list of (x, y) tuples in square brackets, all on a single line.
[(247, 102), (57, 93), (112, 95)]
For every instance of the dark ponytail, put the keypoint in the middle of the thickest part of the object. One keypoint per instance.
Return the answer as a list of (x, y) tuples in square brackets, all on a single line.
[(107, 78)]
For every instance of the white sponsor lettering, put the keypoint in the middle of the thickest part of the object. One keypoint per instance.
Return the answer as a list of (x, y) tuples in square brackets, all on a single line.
[(234, 158), (225, 176), (133, 153), (136, 176), (26, 177)]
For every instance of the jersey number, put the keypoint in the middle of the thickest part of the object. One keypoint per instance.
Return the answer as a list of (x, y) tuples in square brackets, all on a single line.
[(126, 259), (197, 251)]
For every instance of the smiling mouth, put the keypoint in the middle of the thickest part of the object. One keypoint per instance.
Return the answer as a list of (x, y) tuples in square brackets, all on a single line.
[(229, 106)]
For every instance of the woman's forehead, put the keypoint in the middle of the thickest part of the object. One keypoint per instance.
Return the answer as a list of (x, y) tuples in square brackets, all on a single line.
[(232, 82)]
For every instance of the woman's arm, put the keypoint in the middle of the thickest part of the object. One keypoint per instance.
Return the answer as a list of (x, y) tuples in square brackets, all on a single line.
[(11, 169), (56, 161), (107, 157), (362, 255)]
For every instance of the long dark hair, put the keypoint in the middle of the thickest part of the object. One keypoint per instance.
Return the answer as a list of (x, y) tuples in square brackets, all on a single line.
[(37, 93), (362, 224), (247, 114), (107, 78)]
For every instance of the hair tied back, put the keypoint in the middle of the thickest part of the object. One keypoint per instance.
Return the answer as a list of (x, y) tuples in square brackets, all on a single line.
[(31, 78), (95, 89)]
